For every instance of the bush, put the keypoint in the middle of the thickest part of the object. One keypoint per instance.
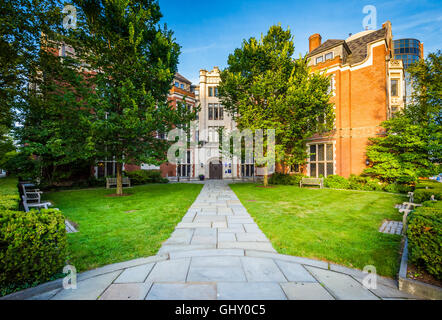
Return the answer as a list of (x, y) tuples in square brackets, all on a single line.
[(425, 238), (285, 179), (336, 182), (32, 246), (145, 176), (397, 188), (356, 182), (425, 189)]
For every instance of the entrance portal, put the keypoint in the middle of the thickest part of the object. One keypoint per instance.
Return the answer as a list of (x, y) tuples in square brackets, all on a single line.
[(215, 170)]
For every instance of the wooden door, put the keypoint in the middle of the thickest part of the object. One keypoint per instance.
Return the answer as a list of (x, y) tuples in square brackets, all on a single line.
[(216, 171)]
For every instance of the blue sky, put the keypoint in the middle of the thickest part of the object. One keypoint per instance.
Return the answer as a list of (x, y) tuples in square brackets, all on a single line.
[(208, 31)]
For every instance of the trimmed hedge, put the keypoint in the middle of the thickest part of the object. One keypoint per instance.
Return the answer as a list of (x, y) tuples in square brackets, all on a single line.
[(9, 195), (285, 179), (145, 176), (425, 237), (355, 182), (336, 182), (425, 189), (33, 246)]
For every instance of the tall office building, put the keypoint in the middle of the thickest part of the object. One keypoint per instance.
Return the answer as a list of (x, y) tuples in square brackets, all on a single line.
[(408, 50)]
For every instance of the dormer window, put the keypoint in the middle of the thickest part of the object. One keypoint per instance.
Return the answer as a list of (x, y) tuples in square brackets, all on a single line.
[(319, 59), (329, 56)]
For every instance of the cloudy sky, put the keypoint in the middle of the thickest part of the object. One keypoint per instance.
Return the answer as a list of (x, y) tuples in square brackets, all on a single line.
[(208, 31)]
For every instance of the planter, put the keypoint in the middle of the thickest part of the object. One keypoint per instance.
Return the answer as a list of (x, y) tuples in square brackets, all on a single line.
[(418, 288)]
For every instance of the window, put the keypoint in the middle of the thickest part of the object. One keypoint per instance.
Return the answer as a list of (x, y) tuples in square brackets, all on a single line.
[(216, 91), (216, 111), (329, 56), (321, 160), (319, 59), (214, 133), (182, 86), (394, 88), (184, 170), (177, 84), (210, 111), (210, 91), (331, 85)]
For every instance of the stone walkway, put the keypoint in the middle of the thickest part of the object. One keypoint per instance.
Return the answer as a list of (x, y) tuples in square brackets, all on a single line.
[(217, 220), (218, 252)]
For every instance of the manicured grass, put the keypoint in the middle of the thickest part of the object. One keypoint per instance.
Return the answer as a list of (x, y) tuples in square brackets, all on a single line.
[(8, 185), (339, 226), (115, 229)]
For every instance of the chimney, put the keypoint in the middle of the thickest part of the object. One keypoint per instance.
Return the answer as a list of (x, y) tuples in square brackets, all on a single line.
[(314, 41)]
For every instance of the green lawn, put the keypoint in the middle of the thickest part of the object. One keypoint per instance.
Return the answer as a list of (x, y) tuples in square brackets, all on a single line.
[(8, 185), (114, 229), (331, 225)]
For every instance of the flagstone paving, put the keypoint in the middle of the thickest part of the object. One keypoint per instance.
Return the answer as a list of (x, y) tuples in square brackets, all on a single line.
[(218, 252)]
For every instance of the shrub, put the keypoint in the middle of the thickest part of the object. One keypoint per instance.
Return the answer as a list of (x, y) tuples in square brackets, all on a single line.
[(336, 182), (425, 189), (425, 237), (356, 182), (397, 188), (285, 179), (32, 246), (145, 176)]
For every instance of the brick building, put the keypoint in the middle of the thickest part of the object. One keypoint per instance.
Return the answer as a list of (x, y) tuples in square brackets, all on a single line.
[(367, 85)]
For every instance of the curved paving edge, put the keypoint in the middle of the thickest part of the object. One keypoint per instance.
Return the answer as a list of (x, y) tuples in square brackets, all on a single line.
[(233, 274)]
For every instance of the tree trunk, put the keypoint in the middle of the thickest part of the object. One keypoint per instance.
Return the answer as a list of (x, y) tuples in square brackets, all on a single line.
[(119, 179), (266, 173)]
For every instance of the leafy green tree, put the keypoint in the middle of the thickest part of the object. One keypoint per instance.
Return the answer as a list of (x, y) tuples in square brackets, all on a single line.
[(411, 147), (264, 87), (134, 61), (43, 91), (22, 23)]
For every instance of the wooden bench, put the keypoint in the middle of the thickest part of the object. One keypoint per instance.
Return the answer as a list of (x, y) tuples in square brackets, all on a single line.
[(113, 182), (312, 182), (28, 206)]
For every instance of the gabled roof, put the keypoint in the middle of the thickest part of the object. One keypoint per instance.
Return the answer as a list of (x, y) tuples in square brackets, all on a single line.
[(181, 78), (357, 48), (331, 43)]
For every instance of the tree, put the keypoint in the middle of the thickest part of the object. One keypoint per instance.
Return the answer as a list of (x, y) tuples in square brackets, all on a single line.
[(411, 146), (21, 25), (42, 91), (263, 87), (134, 61)]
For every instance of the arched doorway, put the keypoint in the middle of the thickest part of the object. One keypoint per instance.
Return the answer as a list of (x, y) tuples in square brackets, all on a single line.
[(215, 170)]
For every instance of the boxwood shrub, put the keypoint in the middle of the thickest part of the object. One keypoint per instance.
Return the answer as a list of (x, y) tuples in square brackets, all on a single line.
[(336, 182), (425, 237), (32, 246), (425, 189), (285, 179), (145, 176)]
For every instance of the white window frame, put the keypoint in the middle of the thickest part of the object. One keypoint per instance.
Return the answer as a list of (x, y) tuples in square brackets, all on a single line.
[(325, 57), (325, 161)]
